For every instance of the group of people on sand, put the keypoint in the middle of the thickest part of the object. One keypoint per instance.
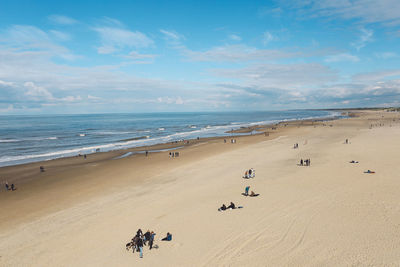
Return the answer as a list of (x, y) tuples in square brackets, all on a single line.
[(231, 206), (295, 146), (173, 154), (251, 173), (233, 141), (140, 240), (10, 188), (306, 162)]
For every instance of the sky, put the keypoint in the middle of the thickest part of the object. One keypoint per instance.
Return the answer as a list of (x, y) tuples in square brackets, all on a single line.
[(64, 57)]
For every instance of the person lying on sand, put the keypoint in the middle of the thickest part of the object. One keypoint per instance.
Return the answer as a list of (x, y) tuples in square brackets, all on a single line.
[(353, 161), (369, 171), (231, 206), (252, 194)]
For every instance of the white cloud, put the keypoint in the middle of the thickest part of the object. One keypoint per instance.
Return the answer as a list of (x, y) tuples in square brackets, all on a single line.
[(237, 53), (171, 34), (386, 55), (114, 39), (376, 76), (342, 57), (235, 37), (268, 37), (170, 100), (62, 36), (173, 38), (91, 97), (280, 76), (136, 55), (3, 83), (63, 20), (71, 98), (365, 37), (365, 11), (29, 38), (37, 92)]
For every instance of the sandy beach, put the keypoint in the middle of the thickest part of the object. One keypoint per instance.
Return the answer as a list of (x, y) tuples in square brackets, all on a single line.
[(83, 212)]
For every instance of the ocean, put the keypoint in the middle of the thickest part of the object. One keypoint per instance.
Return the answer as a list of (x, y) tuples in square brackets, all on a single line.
[(25, 139)]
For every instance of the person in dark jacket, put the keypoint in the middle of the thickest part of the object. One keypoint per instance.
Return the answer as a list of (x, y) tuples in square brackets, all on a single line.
[(151, 240), (139, 244), (146, 236)]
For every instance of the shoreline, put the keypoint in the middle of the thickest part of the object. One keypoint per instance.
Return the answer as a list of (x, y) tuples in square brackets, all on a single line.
[(241, 131)]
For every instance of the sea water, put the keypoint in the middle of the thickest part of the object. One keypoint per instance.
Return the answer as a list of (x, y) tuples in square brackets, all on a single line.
[(26, 139)]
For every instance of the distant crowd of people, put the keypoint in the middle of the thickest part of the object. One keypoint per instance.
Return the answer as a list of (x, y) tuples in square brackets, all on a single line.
[(173, 154), (9, 187), (306, 162)]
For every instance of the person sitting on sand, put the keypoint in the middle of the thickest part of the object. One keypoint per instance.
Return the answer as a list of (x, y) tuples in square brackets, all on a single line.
[(7, 187), (301, 162), (231, 206), (12, 187), (369, 171), (167, 238), (252, 194), (223, 207), (353, 161)]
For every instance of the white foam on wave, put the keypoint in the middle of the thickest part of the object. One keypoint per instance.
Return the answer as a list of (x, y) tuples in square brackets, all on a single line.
[(28, 139), (161, 129), (9, 140), (112, 132)]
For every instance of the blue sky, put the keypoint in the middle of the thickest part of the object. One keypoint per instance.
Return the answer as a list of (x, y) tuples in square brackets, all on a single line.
[(152, 56)]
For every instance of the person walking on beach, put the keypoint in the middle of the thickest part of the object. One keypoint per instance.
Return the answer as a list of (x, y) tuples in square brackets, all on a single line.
[(7, 187), (152, 235), (301, 162), (139, 244)]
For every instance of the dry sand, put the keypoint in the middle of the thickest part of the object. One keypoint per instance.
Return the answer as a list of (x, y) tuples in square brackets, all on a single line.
[(81, 213)]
